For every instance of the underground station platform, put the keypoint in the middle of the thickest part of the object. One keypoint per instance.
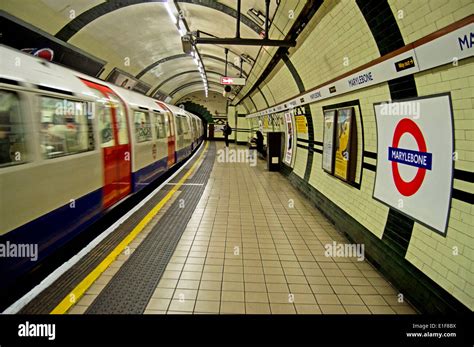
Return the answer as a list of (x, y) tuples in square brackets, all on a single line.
[(221, 238), (237, 171)]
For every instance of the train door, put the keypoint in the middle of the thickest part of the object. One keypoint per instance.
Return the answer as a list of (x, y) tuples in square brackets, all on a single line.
[(195, 135), (123, 148), (171, 139), (113, 132), (171, 133)]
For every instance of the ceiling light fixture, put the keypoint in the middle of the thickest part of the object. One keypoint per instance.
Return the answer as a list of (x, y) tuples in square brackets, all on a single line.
[(186, 39)]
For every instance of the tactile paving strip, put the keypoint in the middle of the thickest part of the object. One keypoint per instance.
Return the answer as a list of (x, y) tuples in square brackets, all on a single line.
[(130, 290), (48, 299)]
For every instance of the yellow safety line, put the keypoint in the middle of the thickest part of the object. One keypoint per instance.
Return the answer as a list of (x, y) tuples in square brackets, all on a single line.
[(82, 287)]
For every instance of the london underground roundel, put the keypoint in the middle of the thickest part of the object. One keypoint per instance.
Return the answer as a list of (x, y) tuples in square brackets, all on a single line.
[(420, 159), (414, 158)]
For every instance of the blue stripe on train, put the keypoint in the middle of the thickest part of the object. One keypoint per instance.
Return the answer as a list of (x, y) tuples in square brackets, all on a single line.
[(183, 153), (49, 232), (146, 175)]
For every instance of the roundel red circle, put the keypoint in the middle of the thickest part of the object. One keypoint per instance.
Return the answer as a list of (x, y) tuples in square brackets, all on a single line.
[(408, 188), (45, 53)]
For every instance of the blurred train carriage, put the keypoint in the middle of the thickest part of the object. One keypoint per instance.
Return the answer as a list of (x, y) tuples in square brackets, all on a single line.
[(77, 146)]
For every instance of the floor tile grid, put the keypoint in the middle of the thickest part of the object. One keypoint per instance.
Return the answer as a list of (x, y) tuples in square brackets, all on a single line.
[(275, 247), (368, 272), (353, 297), (217, 215), (298, 292), (288, 301)]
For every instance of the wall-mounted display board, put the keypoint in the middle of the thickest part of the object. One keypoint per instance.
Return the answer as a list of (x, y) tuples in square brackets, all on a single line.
[(127, 81), (344, 146), (415, 158), (301, 126), (289, 138), (328, 141)]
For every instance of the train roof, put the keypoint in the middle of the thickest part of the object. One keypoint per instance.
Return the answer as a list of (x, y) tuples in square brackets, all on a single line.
[(18, 67), (131, 97), (135, 99)]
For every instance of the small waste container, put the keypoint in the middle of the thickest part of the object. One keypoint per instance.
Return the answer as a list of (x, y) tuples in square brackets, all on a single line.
[(275, 142)]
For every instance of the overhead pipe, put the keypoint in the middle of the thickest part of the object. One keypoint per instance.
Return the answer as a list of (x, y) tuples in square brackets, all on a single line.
[(226, 53), (267, 13), (243, 42), (237, 29)]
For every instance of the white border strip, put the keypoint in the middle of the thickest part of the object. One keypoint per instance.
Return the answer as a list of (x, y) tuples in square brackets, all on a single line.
[(28, 297)]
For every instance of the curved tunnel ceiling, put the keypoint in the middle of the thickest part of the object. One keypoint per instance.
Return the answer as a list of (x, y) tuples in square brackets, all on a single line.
[(139, 37), (104, 8)]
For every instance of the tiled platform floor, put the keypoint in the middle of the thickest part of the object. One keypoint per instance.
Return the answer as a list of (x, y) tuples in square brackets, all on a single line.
[(256, 245)]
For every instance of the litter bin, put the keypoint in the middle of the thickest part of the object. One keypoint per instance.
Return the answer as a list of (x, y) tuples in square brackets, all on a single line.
[(275, 142)]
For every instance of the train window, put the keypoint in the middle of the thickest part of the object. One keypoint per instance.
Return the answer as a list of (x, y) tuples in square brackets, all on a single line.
[(66, 127), (121, 120), (160, 126), (170, 125), (142, 126), (188, 124), (179, 126), (184, 125), (12, 130), (106, 132)]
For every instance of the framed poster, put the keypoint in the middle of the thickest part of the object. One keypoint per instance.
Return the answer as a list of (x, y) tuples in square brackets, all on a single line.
[(260, 125), (344, 144), (415, 146), (289, 138), (301, 126), (328, 140), (121, 79)]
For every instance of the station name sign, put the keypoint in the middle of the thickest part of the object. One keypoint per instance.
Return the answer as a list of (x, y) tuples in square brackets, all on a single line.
[(407, 157), (233, 81)]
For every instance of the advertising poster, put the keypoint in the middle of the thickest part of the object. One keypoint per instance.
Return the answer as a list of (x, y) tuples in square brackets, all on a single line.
[(301, 126), (415, 158), (122, 80), (289, 138), (342, 148), (328, 140), (260, 125), (125, 82)]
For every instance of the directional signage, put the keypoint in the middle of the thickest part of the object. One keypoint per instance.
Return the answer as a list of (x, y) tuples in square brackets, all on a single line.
[(415, 158), (238, 81)]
